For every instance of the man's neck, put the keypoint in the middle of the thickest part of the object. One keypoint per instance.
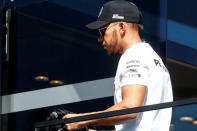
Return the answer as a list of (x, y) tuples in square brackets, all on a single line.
[(130, 42)]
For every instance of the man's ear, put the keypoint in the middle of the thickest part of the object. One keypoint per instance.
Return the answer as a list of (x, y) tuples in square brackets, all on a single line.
[(122, 28)]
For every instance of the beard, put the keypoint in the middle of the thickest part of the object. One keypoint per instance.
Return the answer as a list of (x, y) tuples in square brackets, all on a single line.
[(111, 49)]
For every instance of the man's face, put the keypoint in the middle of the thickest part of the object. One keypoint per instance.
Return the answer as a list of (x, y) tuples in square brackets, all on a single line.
[(109, 38)]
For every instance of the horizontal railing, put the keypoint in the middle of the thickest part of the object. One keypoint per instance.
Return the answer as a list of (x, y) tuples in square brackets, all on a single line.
[(116, 113)]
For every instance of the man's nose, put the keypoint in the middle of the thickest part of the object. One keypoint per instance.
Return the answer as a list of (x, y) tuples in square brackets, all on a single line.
[(103, 43)]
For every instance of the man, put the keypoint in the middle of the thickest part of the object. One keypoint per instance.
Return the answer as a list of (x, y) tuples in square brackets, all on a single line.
[(141, 77)]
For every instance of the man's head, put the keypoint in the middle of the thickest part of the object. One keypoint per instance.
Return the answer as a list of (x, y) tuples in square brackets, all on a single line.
[(117, 19)]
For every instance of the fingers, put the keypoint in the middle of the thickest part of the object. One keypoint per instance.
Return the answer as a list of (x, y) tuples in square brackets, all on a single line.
[(70, 115), (64, 117), (75, 125), (72, 126), (69, 127)]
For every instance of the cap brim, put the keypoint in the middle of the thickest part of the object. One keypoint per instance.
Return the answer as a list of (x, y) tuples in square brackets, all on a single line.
[(96, 25)]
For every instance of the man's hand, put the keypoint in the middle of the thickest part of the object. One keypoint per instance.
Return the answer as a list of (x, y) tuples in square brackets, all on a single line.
[(75, 125)]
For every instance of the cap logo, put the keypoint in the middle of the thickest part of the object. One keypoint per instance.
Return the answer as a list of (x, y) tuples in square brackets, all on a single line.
[(117, 16), (100, 11)]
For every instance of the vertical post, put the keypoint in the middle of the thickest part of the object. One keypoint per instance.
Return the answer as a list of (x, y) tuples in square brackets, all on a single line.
[(5, 22)]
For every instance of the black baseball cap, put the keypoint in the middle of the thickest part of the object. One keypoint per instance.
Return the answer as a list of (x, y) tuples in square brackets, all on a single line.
[(114, 11)]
